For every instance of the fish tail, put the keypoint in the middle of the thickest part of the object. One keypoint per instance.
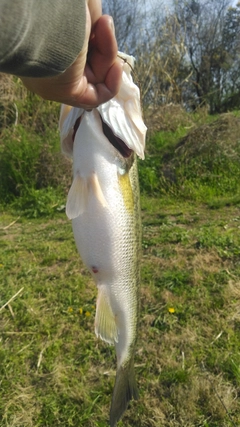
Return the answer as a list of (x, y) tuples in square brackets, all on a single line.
[(125, 389)]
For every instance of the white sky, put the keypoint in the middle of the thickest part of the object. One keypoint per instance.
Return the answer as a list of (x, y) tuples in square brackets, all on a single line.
[(170, 2)]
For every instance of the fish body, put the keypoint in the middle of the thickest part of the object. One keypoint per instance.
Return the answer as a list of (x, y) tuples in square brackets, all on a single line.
[(103, 203)]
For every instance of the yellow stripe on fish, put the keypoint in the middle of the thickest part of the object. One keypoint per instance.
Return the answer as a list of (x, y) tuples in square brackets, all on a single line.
[(126, 190)]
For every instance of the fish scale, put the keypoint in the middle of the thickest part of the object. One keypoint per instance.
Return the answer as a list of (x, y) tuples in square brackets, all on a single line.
[(104, 206)]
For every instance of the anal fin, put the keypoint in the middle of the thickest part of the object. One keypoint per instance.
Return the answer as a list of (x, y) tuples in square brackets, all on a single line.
[(105, 321)]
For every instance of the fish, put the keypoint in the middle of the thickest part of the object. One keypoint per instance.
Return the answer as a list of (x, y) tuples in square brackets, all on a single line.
[(104, 205)]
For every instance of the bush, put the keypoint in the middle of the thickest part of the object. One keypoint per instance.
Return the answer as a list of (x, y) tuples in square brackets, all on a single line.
[(37, 203), (19, 153), (34, 175), (202, 163), (30, 171)]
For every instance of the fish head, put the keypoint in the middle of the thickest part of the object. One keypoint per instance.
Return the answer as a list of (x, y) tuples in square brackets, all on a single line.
[(123, 112)]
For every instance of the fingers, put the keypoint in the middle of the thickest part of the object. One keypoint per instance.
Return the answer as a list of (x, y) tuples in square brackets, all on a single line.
[(96, 94), (103, 50), (90, 84), (81, 94), (103, 71)]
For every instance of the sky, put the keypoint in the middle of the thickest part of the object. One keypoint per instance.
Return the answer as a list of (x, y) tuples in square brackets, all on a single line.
[(169, 3)]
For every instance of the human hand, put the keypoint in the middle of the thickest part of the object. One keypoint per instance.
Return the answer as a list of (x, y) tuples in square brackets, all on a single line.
[(94, 77)]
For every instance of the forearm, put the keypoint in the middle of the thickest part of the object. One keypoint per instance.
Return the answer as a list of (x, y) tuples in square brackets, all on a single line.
[(63, 50), (40, 38)]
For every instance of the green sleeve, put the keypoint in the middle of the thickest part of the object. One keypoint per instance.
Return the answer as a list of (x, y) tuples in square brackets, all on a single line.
[(40, 38)]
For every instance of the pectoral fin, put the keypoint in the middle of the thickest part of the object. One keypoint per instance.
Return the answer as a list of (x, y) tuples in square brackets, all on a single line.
[(105, 321), (94, 184), (79, 193), (77, 197)]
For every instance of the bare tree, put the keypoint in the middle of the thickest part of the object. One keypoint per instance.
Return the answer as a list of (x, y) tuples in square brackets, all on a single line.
[(189, 54), (161, 66), (206, 27), (128, 17)]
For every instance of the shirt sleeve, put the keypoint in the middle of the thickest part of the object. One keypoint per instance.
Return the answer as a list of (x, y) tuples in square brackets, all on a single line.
[(40, 38)]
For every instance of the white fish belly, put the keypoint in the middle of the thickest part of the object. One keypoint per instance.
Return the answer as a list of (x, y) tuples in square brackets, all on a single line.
[(104, 238)]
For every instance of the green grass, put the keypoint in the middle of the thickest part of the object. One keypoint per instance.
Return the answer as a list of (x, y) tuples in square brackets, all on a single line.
[(198, 161), (55, 372)]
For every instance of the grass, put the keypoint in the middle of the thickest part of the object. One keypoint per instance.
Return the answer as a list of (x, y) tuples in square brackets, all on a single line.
[(55, 372), (196, 160)]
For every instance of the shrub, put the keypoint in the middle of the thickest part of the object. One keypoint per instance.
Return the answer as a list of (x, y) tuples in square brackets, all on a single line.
[(30, 171), (19, 152), (202, 163)]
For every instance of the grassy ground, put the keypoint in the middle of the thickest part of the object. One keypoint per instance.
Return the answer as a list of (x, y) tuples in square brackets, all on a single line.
[(55, 372)]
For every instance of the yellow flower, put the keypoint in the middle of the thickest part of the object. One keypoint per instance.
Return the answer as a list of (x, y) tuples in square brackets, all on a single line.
[(1, 265), (70, 309), (81, 310), (87, 313), (171, 310)]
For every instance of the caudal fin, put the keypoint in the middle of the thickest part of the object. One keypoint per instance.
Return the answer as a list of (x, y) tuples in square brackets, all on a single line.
[(125, 389)]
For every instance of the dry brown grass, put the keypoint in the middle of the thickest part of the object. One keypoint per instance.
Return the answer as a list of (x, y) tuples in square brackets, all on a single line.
[(11, 89), (166, 118), (233, 294), (10, 92), (23, 405), (220, 137)]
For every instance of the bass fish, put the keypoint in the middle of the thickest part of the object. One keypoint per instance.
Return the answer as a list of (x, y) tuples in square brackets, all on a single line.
[(103, 204)]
